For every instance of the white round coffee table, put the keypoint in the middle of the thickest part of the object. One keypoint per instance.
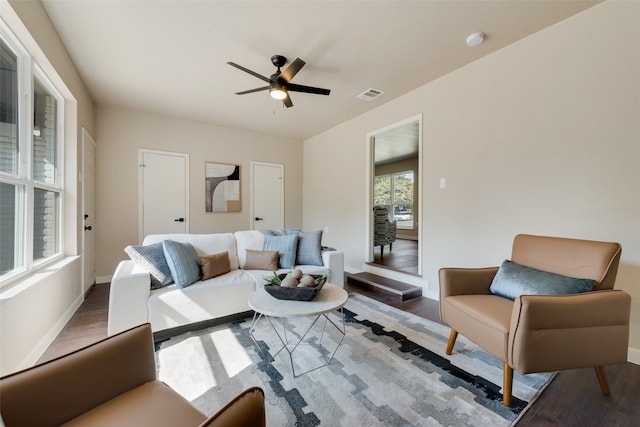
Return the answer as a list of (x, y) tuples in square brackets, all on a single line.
[(329, 299)]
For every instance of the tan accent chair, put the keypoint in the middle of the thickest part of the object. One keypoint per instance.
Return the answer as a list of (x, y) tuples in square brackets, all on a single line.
[(112, 383), (543, 333)]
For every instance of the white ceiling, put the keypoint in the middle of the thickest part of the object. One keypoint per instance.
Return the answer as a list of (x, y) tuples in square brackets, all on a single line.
[(397, 144), (170, 57)]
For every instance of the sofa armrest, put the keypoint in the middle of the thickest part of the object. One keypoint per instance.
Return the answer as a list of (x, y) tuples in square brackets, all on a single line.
[(550, 333), (128, 297), (334, 261), (247, 409), (61, 389)]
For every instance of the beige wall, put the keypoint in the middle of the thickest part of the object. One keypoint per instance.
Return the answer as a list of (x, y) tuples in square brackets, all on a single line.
[(34, 311), (121, 133), (540, 137)]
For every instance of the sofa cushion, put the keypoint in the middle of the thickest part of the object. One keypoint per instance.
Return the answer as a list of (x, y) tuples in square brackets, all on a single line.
[(513, 280), (217, 297), (151, 258), (245, 240), (214, 265), (286, 247), (261, 260), (182, 259), (309, 251)]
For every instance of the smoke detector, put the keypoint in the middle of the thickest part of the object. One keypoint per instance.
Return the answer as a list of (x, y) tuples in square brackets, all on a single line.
[(475, 39)]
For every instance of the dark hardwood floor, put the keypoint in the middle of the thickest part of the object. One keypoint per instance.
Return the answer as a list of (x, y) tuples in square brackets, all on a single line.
[(87, 325), (403, 256), (572, 399)]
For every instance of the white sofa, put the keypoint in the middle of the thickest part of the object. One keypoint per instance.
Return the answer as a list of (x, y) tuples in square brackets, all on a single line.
[(132, 301)]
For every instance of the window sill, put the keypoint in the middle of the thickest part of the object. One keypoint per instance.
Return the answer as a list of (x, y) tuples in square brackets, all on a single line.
[(26, 281)]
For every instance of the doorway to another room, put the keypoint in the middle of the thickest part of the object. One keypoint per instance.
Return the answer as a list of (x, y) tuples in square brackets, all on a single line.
[(395, 198)]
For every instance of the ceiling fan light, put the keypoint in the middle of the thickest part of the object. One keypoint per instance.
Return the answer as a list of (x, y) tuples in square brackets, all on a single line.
[(277, 92)]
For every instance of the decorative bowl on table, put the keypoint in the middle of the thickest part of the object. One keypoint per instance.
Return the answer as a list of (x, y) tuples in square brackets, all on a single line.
[(297, 293)]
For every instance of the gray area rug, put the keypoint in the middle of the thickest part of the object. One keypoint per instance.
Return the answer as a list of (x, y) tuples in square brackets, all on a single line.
[(390, 370)]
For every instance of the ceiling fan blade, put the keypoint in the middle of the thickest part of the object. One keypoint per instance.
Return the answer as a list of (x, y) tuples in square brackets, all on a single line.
[(292, 70), (258, 89), (307, 89), (287, 101), (246, 70)]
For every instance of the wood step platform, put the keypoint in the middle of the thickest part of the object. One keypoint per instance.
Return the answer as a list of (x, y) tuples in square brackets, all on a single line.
[(403, 291)]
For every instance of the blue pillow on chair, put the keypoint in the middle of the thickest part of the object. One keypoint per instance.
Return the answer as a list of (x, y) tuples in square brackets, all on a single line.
[(286, 247), (513, 280), (183, 262)]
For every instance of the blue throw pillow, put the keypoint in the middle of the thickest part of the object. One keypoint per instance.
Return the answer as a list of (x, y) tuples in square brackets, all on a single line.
[(309, 247), (183, 262), (513, 280), (275, 232), (152, 259), (286, 247)]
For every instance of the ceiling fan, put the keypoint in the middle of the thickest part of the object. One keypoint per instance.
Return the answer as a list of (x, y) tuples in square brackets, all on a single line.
[(280, 82)]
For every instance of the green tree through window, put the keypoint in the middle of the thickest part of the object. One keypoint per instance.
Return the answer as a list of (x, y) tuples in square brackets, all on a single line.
[(396, 191)]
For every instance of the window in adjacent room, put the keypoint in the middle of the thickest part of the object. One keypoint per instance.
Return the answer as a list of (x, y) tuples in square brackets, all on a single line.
[(31, 188), (396, 191)]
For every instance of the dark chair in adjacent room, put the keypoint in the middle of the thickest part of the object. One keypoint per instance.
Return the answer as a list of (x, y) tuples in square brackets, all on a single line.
[(384, 229), (516, 320), (112, 383)]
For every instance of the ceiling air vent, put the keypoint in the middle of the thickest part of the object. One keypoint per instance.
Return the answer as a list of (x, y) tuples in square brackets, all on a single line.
[(370, 94)]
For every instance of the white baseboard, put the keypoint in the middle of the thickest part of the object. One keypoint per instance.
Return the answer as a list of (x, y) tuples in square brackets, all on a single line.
[(103, 279), (38, 350), (633, 355)]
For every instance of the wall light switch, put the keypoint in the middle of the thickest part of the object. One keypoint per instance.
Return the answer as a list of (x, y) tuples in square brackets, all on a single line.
[(326, 230), (443, 183)]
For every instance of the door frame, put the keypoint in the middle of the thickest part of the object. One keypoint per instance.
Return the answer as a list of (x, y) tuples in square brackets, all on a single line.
[(370, 171), (252, 189), (87, 139), (141, 152)]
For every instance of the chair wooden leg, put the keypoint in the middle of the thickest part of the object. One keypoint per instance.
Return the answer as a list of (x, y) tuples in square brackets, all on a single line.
[(452, 340), (602, 380), (507, 384)]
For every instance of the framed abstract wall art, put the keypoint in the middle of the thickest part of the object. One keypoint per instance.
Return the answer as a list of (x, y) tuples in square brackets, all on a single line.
[(222, 187)]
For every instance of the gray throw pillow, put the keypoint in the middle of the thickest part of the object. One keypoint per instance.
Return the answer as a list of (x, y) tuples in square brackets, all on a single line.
[(152, 259), (309, 250), (183, 262), (513, 280), (286, 247)]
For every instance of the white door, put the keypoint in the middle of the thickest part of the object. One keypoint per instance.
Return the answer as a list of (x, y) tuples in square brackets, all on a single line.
[(163, 193), (88, 210), (267, 189)]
